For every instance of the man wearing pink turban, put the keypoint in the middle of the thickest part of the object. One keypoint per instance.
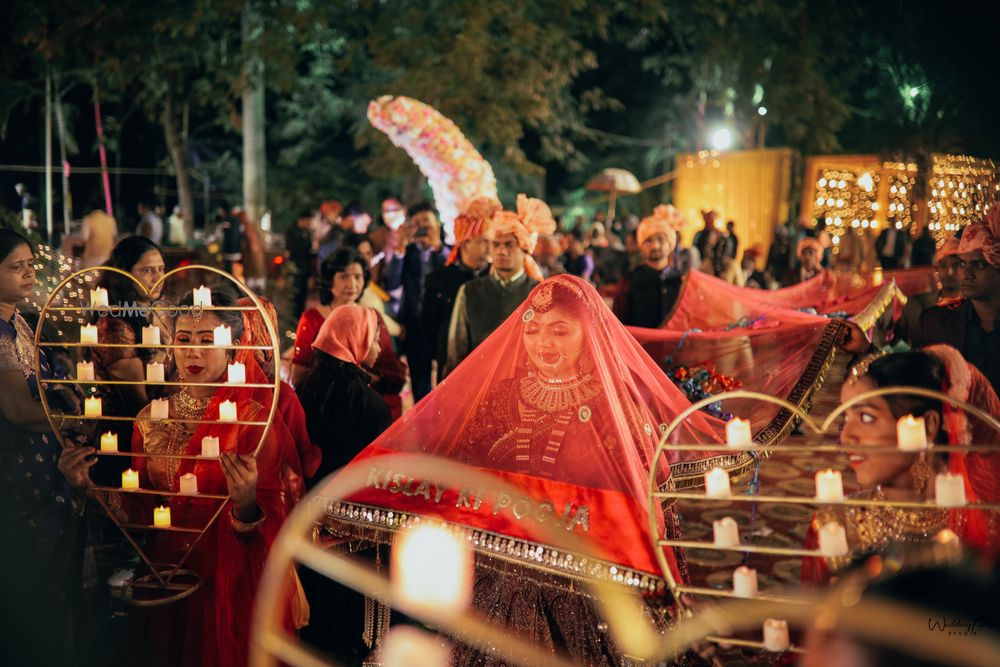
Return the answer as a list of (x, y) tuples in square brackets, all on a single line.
[(647, 294), (946, 263), (972, 325)]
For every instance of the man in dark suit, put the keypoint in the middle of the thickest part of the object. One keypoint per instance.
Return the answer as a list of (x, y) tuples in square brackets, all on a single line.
[(890, 246)]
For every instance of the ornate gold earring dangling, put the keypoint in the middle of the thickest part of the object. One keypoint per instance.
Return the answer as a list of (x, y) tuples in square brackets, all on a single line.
[(920, 472)]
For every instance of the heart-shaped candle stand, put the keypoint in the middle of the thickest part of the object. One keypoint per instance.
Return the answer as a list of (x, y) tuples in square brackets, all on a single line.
[(164, 583)]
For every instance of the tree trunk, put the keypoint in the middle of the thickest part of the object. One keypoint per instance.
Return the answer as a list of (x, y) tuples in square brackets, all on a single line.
[(254, 154), (177, 147)]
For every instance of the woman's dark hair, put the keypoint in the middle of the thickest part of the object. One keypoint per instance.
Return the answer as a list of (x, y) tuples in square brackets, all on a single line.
[(355, 240), (321, 389), (334, 264), (9, 240), (909, 369), (221, 296), (122, 289)]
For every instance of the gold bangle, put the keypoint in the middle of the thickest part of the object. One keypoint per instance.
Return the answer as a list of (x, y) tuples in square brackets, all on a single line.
[(243, 526)]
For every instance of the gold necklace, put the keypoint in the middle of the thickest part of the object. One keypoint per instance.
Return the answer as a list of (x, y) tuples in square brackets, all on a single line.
[(557, 395), (188, 406), (881, 525)]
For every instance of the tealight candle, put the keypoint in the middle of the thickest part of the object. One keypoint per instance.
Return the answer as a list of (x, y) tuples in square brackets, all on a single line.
[(738, 433), (717, 483), (949, 490), (189, 484), (744, 582), (99, 298), (130, 480), (109, 442), (776, 635), (222, 335), (227, 411), (88, 334), (726, 533), (85, 370), (161, 517), (209, 446), (911, 434), (406, 646), (92, 407), (237, 373), (431, 571), (829, 486), (151, 335), (159, 408), (202, 296), (154, 371), (832, 540)]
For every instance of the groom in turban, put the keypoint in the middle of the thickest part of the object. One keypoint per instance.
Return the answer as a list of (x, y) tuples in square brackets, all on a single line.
[(972, 324), (647, 294)]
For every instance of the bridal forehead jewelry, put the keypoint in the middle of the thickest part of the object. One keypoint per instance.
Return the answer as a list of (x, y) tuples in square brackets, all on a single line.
[(860, 369)]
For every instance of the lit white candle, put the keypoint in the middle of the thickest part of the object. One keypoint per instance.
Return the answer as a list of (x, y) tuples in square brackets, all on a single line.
[(109, 442), (829, 486), (431, 572), (726, 533), (189, 484), (99, 298), (154, 371), (738, 434), (202, 296), (227, 411), (130, 480), (92, 407), (911, 434), (776, 635), (949, 490), (209, 446), (744, 582), (159, 408), (85, 370), (222, 335), (88, 334), (151, 335), (406, 646), (237, 373), (161, 517), (717, 484), (832, 540)]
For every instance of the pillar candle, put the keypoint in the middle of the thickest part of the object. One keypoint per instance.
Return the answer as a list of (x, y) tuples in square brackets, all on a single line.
[(98, 298), (154, 371), (227, 411), (832, 540), (92, 407), (717, 483), (237, 373), (85, 370), (88, 334), (726, 533), (431, 571), (159, 408), (189, 484), (109, 442), (130, 479), (209, 446), (738, 433), (406, 646), (776, 635), (829, 486), (222, 335), (949, 490), (911, 434), (161, 517), (744, 582), (202, 296), (151, 335)]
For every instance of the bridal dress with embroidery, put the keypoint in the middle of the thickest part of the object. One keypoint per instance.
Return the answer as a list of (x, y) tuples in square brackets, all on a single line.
[(562, 404)]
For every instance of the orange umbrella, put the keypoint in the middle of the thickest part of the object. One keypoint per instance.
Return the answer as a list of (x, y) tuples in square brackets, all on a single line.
[(614, 181)]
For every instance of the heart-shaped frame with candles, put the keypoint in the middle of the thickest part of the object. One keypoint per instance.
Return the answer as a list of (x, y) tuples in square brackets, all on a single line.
[(655, 496), (164, 583)]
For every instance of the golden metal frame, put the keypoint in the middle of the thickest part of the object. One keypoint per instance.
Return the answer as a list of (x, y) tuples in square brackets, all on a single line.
[(163, 582)]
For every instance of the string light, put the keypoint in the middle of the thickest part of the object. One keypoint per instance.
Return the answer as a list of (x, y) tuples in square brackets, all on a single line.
[(967, 189)]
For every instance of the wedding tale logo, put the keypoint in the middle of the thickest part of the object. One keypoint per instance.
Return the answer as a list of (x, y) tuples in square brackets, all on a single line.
[(957, 626)]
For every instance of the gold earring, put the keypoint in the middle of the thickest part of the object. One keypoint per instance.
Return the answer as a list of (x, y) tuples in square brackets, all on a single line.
[(920, 471)]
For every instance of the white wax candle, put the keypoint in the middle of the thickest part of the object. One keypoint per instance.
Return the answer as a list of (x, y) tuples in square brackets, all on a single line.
[(222, 335), (432, 572), (109, 442), (98, 298), (209, 446), (738, 433), (911, 434), (151, 335), (159, 408), (406, 646), (744, 582), (726, 533), (949, 490), (85, 370), (189, 484), (833, 540), (829, 486), (154, 371), (776, 635), (202, 296), (130, 479), (227, 411), (237, 373), (717, 483), (88, 334), (92, 407), (161, 517)]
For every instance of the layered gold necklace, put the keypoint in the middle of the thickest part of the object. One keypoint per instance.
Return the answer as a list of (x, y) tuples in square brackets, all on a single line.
[(881, 525), (551, 395)]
